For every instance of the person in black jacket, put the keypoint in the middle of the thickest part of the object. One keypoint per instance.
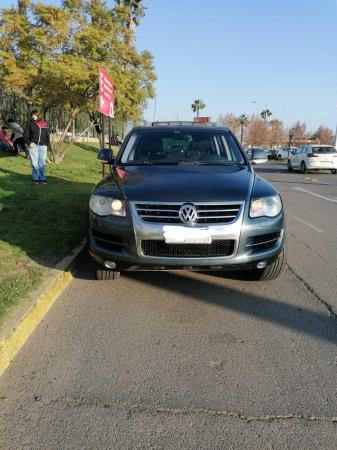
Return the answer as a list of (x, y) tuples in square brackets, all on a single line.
[(37, 138)]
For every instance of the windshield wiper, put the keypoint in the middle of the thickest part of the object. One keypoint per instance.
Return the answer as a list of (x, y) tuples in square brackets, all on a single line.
[(220, 163), (150, 163)]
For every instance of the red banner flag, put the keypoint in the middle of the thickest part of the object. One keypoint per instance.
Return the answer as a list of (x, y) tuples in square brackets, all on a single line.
[(106, 93)]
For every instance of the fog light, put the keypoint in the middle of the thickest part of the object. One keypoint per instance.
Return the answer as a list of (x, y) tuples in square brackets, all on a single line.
[(110, 264), (261, 264)]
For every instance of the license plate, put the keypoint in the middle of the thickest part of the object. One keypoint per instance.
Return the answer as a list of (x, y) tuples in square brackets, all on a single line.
[(184, 235)]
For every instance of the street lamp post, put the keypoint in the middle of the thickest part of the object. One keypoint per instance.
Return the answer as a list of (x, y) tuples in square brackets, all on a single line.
[(291, 135), (155, 108)]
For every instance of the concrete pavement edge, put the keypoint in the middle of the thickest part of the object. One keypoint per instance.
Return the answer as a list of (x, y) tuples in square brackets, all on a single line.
[(16, 330)]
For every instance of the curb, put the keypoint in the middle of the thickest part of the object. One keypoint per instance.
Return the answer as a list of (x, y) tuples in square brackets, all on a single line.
[(15, 332)]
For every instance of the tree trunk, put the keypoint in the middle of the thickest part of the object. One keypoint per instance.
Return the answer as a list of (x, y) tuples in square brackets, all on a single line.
[(241, 138), (74, 141), (57, 151)]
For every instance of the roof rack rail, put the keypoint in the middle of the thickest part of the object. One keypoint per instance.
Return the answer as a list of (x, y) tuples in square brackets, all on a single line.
[(182, 123)]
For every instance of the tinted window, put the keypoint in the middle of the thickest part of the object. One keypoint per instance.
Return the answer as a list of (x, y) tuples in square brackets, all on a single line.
[(177, 146), (323, 150)]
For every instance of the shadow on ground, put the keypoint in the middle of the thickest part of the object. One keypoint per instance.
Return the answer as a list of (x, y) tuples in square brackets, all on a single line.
[(43, 221), (270, 169), (87, 147), (286, 315), (210, 290)]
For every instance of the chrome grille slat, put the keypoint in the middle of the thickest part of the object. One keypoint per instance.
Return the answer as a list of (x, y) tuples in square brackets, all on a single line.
[(160, 217), (263, 242), (158, 210), (217, 210), (217, 217), (207, 213)]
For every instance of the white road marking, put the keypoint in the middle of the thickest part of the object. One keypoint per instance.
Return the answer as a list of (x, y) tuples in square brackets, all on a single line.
[(318, 230), (328, 199)]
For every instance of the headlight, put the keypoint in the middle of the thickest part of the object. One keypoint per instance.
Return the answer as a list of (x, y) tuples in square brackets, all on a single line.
[(266, 206), (106, 206)]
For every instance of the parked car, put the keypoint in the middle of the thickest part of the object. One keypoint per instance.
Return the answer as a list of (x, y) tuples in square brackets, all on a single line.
[(185, 197), (282, 153), (267, 151), (313, 157)]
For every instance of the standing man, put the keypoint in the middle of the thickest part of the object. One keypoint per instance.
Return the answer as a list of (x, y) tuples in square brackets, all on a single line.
[(37, 138)]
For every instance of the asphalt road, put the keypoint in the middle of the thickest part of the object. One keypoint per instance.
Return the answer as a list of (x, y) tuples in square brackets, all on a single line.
[(185, 360)]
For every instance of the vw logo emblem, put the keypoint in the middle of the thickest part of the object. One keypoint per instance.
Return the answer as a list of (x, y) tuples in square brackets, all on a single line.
[(188, 213)]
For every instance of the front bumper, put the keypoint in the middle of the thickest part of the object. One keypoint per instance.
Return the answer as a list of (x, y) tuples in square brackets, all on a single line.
[(120, 241)]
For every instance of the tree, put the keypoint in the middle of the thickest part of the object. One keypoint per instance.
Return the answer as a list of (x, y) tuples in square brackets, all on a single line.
[(323, 135), (265, 114), (132, 10), (299, 132), (50, 56), (258, 132), (197, 105), (243, 122), (277, 133), (230, 121)]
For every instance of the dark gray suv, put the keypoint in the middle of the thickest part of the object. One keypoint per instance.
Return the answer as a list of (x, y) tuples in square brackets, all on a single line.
[(185, 197)]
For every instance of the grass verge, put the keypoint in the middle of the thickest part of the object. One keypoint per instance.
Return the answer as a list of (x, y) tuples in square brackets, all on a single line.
[(40, 224)]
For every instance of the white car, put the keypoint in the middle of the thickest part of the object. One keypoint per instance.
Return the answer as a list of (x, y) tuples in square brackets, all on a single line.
[(313, 157), (282, 153)]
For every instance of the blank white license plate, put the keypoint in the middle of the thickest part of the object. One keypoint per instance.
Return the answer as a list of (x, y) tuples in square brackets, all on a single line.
[(184, 235)]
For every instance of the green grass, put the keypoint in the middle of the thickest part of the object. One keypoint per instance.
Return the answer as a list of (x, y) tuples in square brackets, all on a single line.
[(15, 288), (40, 224)]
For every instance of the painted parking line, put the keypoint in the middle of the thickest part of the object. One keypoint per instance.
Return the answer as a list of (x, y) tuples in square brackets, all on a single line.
[(318, 230), (328, 199)]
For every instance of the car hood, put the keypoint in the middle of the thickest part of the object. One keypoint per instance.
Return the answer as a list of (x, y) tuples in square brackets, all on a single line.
[(182, 183)]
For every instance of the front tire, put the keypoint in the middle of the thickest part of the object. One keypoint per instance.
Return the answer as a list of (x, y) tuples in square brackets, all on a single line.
[(272, 271), (334, 171), (303, 168), (289, 166), (107, 274)]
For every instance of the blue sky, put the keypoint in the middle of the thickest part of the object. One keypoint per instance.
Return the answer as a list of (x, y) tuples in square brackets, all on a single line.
[(231, 53)]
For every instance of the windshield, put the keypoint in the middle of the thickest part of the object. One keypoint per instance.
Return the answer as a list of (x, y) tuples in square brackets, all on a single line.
[(176, 146), (324, 150)]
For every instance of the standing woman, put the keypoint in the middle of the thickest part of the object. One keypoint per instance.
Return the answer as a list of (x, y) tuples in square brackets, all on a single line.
[(37, 138)]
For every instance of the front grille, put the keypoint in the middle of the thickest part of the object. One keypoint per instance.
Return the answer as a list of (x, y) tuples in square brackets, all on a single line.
[(108, 241), (207, 213), (263, 242), (161, 249)]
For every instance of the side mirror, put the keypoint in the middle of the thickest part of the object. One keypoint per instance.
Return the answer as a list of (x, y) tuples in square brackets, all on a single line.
[(105, 156), (258, 156)]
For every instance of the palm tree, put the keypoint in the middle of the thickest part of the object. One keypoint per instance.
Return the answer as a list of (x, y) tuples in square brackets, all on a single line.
[(197, 105), (243, 121), (265, 114), (275, 122), (131, 12)]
